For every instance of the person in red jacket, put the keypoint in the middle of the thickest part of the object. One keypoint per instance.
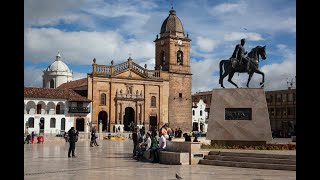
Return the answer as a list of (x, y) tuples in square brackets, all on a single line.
[(40, 139)]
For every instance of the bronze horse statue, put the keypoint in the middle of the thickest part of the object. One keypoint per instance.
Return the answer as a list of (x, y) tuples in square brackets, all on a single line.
[(253, 59)]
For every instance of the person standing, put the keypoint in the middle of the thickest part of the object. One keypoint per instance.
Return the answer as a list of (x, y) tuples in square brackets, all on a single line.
[(135, 141), (94, 137), (32, 136), (179, 133), (73, 136)]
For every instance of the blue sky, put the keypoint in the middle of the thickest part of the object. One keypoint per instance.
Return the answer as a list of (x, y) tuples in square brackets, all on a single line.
[(111, 29)]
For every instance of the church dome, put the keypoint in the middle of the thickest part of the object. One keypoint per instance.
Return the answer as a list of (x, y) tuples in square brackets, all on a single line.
[(58, 65), (172, 25)]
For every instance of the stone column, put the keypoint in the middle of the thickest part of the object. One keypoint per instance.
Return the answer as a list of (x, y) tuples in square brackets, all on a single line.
[(117, 114), (120, 114), (138, 114)]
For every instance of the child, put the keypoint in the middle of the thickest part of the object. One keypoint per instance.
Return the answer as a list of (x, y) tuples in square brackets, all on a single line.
[(40, 139), (32, 136)]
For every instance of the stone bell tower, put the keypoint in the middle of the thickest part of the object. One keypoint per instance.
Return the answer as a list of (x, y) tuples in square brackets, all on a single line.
[(172, 55)]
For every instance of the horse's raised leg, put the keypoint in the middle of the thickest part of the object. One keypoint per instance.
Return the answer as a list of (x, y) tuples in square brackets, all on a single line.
[(262, 82), (249, 78), (230, 79), (221, 79)]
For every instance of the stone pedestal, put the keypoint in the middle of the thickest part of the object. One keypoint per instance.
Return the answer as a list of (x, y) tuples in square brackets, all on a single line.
[(239, 117)]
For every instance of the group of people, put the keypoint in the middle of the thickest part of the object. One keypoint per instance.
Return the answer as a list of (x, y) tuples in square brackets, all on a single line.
[(150, 141), (30, 138)]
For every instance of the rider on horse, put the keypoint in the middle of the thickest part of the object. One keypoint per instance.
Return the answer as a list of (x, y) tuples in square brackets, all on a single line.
[(239, 53)]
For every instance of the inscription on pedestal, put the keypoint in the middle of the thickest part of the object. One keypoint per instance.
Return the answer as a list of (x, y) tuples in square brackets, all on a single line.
[(238, 114)]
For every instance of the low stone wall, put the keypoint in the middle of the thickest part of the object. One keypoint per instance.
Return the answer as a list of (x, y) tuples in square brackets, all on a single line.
[(193, 148), (174, 158)]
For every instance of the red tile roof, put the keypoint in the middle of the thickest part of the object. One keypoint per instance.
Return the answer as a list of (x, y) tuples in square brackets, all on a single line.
[(49, 93), (74, 84)]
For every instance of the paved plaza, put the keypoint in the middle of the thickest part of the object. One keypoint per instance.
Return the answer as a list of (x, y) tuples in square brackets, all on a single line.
[(113, 160)]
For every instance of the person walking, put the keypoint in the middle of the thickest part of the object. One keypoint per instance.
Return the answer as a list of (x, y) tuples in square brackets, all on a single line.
[(73, 138)]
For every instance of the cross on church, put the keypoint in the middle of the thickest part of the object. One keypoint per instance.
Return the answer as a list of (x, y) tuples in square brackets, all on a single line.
[(130, 54)]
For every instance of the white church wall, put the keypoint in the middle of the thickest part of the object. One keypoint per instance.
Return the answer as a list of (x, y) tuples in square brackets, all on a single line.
[(69, 121), (199, 118)]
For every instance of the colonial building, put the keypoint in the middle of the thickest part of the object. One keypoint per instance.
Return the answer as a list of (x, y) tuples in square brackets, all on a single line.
[(52, 111), (56, 74), (282, 111), (126, 92), (205, 96), (199, 116)]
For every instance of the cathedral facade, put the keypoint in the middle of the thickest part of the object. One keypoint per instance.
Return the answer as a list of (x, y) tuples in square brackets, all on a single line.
[(127, 93)]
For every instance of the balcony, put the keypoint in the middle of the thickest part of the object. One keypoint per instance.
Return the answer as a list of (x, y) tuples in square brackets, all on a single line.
[(78, 110)]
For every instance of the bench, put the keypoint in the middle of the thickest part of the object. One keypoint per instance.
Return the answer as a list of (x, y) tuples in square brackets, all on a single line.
[(181, 153)]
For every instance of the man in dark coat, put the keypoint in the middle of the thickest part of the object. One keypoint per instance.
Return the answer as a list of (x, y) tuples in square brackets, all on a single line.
[(239, 52), (73, 136)]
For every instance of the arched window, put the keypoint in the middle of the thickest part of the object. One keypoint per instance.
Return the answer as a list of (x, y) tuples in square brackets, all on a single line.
[(103, 99), (179, 57), (163, 58), (52, 122), (200, 113), (31, 122), (192, 112), (51, 83), (153, 101), (58, 109)]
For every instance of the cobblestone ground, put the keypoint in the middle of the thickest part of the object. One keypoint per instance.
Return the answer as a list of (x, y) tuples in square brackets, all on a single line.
[(113, 160)]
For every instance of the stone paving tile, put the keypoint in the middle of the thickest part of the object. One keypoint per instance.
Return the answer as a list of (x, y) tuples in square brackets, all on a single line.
[(112, 160)]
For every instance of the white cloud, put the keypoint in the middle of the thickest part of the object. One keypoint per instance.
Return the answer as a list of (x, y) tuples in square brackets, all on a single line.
[(206, 44), (48, 12), (81, 47), (289, 24), (239, 35), (255, 16), (287, 53), (278, 74), (33, 77), (149, 62), (202, 79), (281, 46), (229, 7), (77, 75)]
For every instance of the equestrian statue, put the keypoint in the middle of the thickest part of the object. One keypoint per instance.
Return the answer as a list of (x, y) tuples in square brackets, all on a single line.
[(241, 64)]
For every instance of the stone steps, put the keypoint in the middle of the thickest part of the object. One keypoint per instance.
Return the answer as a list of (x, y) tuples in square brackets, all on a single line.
[(250, 160), (257, 155)]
